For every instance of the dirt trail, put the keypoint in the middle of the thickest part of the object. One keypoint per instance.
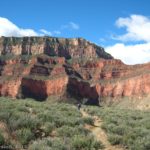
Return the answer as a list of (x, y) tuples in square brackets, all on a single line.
[(99, 133)]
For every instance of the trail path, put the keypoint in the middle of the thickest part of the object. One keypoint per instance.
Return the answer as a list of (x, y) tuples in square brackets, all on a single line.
[(99, 133)]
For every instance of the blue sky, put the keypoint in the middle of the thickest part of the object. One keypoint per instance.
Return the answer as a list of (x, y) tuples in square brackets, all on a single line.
[(95, 20)]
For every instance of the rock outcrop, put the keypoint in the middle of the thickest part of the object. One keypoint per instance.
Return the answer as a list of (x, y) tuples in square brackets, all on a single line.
[(108, 78), (43, 66), (47, 77), (68, 48), (10, 87), (11, 72)]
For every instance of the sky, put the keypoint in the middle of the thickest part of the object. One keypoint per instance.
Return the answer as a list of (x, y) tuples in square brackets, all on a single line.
[(122, 27)]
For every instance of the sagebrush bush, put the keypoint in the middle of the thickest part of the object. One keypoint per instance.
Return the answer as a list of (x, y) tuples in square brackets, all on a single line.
[(88, 120), (49, 144), (45, 125), (125, 127), (115, 139), (2, 140), (48, 127), (24, 135), (85, 143), (42, 144)]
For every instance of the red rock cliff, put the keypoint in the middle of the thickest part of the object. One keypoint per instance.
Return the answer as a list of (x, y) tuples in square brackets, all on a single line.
[(83, 70), (47, 77), (109, 78)]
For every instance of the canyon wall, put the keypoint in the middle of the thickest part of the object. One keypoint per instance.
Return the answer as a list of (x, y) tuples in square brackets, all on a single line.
[(68, 48), (39, 67)]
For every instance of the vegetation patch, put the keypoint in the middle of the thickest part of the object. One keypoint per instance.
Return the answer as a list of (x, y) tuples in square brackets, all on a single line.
[(129, 128), (45, 125)]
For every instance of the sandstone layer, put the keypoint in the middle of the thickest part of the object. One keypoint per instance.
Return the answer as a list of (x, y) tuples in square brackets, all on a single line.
[(68, 48)]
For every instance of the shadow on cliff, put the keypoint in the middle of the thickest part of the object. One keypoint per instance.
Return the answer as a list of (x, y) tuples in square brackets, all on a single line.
[(83, 92), (81, 96), (26, 93)]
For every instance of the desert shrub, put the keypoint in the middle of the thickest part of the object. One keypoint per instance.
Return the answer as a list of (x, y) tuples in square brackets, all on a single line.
[(23, 109), (47, 128), (115, 139), (24, 121), (2, 140), (65, 131), (85, 142), (80, 142), (5, 116), (97, 145), (138, 143), (6, 143), (83, 131), (59, 144), (24, 135), (129, 128), (31, 123), (42, 144), (119, 130), (68, 131), (88, 120), (50, 144)]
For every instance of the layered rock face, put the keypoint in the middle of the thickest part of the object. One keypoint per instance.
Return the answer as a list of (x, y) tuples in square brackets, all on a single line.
[(11, 72), (47, 77), (68, 48), (108, 78), (43, 66)]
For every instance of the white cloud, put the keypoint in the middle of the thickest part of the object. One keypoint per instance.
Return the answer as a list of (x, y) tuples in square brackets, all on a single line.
[(137, 28), (74, 25), (130, 54), (56, 32), (102, 40), (7, 28), (71, 26), (45, 32)]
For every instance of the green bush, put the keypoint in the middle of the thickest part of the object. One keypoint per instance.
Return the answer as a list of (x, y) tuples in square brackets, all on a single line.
[(80, 142), (43, 144), (50, 144), (59, 144), (2, 140), (88, 120), (22, 121), (68, 131), (115, 139), (46, 125), (86, 143), (65, 131), (24, 135), (129, 128)]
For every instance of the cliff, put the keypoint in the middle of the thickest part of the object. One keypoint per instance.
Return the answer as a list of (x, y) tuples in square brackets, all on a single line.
[(68, 48), (47, 77), (39, 67), (102, 78)]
